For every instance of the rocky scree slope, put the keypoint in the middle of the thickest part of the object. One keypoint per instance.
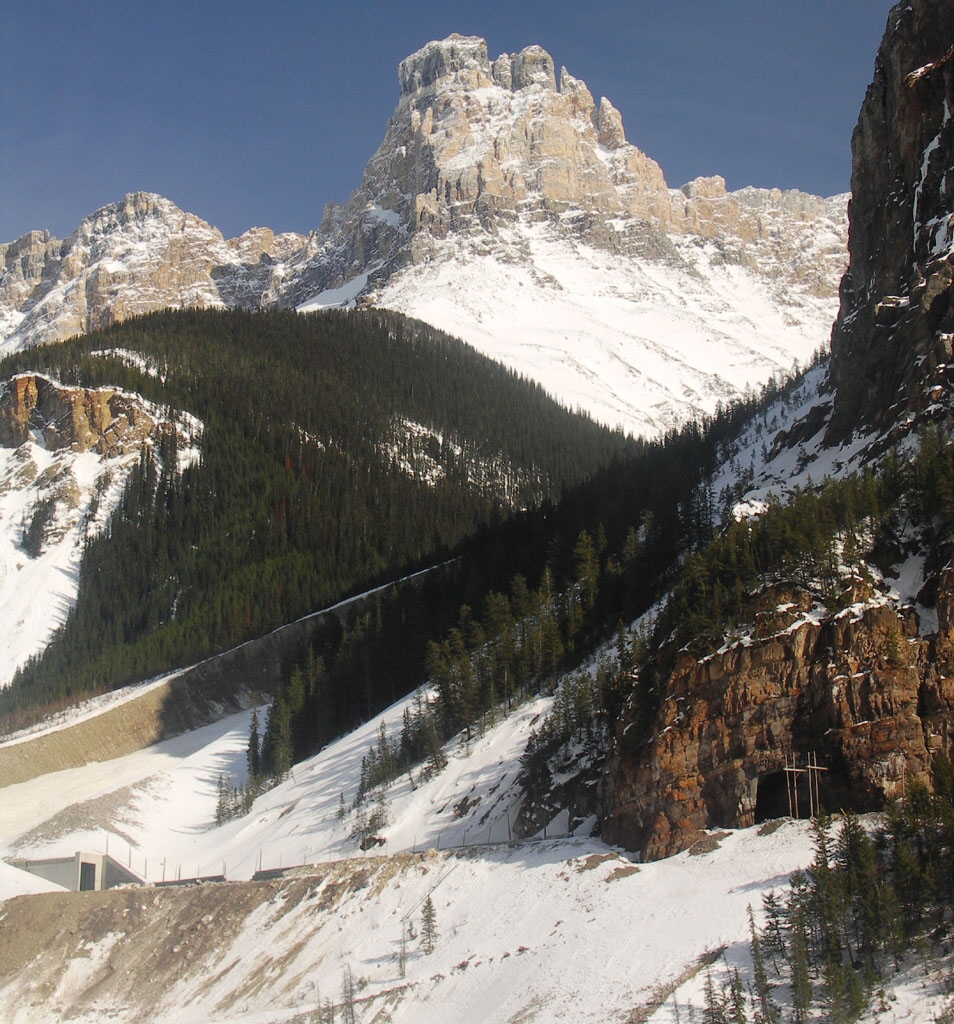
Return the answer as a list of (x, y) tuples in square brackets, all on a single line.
[(865, 689), (500, 186)]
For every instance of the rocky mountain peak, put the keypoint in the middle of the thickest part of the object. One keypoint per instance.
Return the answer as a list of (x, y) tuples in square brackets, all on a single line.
[(140, 254), (476, 145), (462, 61), (893, 338), (486, 163), (449, 58)]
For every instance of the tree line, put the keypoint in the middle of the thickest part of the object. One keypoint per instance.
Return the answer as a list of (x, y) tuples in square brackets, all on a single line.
[(527, 599)]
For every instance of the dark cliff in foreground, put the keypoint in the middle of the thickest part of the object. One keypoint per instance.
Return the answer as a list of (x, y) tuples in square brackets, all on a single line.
[(893, 338), (849, 681)]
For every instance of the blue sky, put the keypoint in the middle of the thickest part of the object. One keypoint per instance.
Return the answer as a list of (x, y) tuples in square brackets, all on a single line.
[(257, 113)]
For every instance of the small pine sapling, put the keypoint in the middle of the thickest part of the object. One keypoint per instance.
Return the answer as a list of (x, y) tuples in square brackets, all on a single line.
[(428, 926)]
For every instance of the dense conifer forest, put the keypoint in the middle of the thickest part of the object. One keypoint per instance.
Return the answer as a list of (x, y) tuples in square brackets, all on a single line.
[(552, 531), (302, 494), (311, 486), (542, 591)]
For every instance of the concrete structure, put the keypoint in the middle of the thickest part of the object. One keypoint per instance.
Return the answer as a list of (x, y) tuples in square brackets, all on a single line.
[(82, 871)]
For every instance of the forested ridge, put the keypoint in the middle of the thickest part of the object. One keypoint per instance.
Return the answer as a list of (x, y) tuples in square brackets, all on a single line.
[(302, 496), (648, 535), (534, 599), (299, 497)]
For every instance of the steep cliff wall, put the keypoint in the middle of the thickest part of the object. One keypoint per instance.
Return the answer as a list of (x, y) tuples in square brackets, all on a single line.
[(104, 420), (864, 691), (475, 145), (861, 692), (892, 342)]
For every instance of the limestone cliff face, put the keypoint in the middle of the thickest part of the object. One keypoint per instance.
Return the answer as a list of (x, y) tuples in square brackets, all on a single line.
[(129, 258), (477, 144), (66, 454), (864, 694), (893, 338), (103, 421), (473, 146)]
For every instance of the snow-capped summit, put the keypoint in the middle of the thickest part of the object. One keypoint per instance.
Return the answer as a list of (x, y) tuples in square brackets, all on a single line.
[(505, 205), (131, 257)]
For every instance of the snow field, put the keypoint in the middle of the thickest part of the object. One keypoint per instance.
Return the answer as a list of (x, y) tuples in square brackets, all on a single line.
[(544, 931), (556, 930), (636, 344)]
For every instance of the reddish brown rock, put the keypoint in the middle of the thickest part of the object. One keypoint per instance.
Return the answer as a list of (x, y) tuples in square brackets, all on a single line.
[(105, 421), (872, 704)]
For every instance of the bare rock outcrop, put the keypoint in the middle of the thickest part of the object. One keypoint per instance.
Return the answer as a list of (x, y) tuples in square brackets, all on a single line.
[(104, 421), (132, 257), (865, 697), (892, 342), (475, 145)]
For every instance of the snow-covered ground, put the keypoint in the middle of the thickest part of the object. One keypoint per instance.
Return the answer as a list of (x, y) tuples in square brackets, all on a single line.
[(36, 592), (637, 343), (563, 929), (79, 490), (772, 472), (169, 793)]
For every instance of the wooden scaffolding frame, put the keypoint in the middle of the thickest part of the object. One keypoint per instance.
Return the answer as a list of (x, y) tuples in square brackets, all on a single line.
[(792, 771)]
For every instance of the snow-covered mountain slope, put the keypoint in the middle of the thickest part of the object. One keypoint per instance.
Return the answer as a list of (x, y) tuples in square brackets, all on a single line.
[(65, 456), (548, 930), (532, 929), (638, 344), (129, 258), (505, 205)]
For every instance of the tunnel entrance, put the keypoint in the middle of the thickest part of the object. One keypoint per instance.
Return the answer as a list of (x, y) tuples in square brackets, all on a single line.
[(772, 797), (87, 876), (791, 793)]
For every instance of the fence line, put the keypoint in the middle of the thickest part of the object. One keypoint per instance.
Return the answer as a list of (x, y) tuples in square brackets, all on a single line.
[(168, 871)]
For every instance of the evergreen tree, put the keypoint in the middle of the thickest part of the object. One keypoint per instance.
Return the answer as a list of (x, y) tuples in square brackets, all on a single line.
[(735, 1005), (801, 977), (254, 749), (767, 1011), (714, 1006), (428, 926), (774, 940), (402, 952), (348, 1007), (221, 802), (587, 570)]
